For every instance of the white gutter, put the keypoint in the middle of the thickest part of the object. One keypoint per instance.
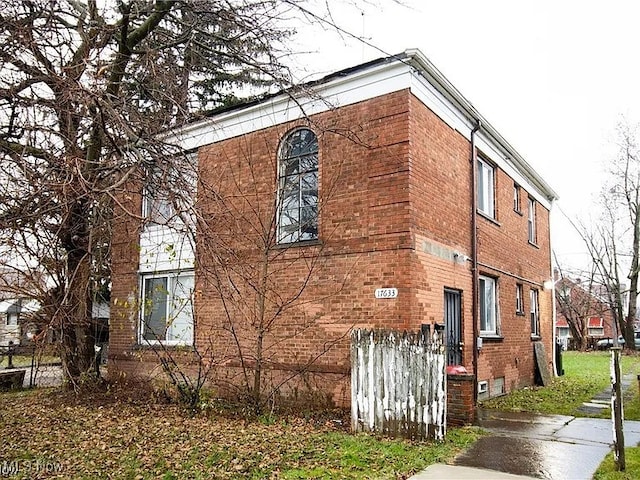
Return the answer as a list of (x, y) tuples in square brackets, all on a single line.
[(417, 59)]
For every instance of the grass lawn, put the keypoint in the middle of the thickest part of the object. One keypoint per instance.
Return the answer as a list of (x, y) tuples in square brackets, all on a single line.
[(586, 374), (50, 434), (25, 360)]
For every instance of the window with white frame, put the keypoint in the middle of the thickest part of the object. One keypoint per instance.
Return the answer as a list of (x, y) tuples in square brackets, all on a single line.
[(516, 197), (486, 175), (596, 331), (535, 313), (519, 299), (12, 318), (157, 205), (170, 189), (167, 308), (488, 305), (298, 187), (532, 220)]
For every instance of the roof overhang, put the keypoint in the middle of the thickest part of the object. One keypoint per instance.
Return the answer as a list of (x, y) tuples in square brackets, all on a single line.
[(9, 306), (411, 70)]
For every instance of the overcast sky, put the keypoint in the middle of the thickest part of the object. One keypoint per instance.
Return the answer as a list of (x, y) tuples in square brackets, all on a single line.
[(553, 77)]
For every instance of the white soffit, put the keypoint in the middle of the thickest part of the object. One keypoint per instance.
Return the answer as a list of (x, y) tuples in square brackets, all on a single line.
[(411, 70), (353, 88), (437, 93)]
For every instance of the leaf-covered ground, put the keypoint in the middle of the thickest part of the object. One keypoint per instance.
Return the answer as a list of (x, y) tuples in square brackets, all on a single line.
[(51, 434)]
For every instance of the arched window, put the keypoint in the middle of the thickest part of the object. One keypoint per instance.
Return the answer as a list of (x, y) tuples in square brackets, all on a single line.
[(298, 187)]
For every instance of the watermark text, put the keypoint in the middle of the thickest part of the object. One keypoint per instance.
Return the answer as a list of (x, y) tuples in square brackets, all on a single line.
[(10, 468)]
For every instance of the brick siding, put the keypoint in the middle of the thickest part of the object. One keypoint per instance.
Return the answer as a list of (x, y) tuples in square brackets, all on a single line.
[(394, 191)]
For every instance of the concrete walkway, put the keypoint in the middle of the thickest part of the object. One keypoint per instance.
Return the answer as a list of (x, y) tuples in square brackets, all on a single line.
[(540, 446), (523, 445)]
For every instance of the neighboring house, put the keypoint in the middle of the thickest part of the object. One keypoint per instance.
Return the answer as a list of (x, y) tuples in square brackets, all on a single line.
[(17, 320), (16, 304), (9, 317), (597, 328), (390, 203), (22, 316), (581, 306)]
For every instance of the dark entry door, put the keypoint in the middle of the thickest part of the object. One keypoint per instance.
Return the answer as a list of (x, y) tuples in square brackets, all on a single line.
[(453, 326)]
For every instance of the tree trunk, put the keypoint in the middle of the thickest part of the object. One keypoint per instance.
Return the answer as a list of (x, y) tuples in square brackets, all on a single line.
[(78, 336), (629, 336)]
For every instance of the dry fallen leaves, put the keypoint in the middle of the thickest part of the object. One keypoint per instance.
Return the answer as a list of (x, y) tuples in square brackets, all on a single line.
[(104, 438)]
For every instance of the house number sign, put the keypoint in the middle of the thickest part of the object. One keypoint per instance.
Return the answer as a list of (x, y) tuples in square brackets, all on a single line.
[(386, 293)]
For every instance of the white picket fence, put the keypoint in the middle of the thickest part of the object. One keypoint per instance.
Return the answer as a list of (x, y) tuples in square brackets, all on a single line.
[(398, 384)]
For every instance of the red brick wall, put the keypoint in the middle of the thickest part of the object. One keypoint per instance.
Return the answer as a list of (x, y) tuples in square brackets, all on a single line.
[(125, 254), (323, 290), (441, 218), (460, 399), (506, 254), (394, 189)]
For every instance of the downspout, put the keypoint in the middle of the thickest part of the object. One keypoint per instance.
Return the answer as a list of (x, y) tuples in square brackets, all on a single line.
[(474, 255)]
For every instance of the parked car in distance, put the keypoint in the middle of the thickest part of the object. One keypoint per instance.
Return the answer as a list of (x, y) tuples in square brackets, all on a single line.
[(607, 343)]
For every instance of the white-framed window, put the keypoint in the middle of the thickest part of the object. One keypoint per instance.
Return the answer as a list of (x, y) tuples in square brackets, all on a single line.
[(563, 332), (298, 187), (167, 308), (532, 220), (519, 299), (486, 188), (170, 187), (12, 318), (516, 198), (488, 305), (157, 205), (535, 313), (596, 331)]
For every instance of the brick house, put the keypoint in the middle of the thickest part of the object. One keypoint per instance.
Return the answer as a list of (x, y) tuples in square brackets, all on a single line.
[(582, 306), (376, 197)]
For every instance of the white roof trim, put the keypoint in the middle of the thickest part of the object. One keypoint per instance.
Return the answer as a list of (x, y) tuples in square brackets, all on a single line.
[(6, 305), (411, 70)]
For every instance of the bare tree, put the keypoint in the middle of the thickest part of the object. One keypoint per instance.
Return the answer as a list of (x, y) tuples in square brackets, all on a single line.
[(264, 286), (613, 241), (579, 299), (264, 290), (85, 88)]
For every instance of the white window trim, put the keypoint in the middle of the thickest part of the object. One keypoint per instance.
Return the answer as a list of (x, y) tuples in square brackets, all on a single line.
[(534, 299), (171, 276), (486, 178), (519, 298), (493, 282), (531, 221), (595, 331)]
